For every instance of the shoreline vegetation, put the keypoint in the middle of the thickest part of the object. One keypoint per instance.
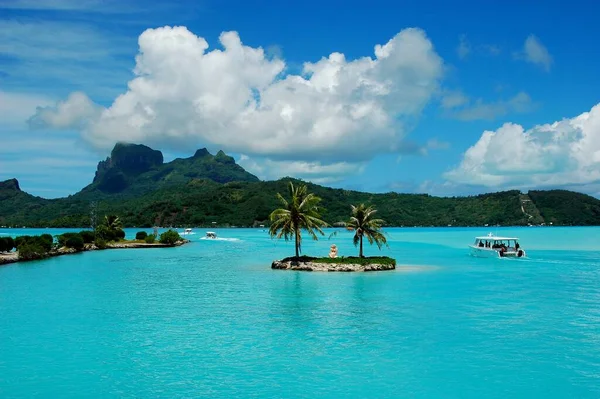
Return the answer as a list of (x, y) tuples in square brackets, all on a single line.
[(109, 235), (13, 257), (301, 212)]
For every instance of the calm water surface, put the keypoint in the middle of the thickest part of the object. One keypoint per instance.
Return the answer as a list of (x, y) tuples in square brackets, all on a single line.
[(211, 319)]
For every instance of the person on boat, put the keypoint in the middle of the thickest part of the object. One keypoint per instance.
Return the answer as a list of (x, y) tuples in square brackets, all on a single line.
[(480, 244), (517, 246)]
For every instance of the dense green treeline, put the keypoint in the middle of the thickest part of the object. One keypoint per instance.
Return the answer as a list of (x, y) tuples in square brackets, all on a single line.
[(566, 207), (201, 202)]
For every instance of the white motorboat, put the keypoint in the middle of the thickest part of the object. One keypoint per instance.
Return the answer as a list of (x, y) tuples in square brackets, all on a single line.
[(187, 232), (492, 246), (211, 235)]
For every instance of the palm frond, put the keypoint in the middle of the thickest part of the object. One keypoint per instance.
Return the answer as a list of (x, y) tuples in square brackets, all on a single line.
[(356, 239)]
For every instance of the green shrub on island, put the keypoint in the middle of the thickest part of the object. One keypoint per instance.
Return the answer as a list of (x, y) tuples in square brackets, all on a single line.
[(34, 247), (141, 235), (72, 240), (31, 250), (110, 235), (45, 241), (88, 236), (100, 243), (20, 240), (10, 243), (150, 239), (75, 242), (170, 237), (120, 234), (105, 233), (64, 237), (6, 244)]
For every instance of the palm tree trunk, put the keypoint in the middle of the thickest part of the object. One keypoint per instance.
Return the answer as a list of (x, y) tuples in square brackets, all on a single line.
[(361, 247), (297, 253)]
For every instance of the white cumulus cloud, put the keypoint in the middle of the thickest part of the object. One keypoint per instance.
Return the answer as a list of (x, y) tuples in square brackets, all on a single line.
[(73, 113), (560, 154), (16, 107), (241, 100)]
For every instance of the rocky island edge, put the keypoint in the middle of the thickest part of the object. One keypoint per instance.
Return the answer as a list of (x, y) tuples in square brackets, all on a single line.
[(343, 264)]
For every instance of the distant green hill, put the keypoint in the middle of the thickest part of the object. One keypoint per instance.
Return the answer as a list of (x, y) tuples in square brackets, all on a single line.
[(567, 207), (136, 184), (134, 169)]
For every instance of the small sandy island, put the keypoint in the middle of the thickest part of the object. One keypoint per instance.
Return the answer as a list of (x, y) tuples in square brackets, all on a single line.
[(335, 265), (13, 257)]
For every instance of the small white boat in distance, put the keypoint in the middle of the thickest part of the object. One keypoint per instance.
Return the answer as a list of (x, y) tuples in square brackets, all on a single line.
[(211, 234), (491, 246), (187, 232)]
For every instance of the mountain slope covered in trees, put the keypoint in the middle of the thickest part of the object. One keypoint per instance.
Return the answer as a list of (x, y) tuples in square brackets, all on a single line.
[(137, 185)]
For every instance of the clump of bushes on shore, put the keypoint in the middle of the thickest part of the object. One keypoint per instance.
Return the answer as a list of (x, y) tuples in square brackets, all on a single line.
[(63, 238), (170, 237), (106, 233), (88, 236), (141, 235), (150, 239), (100, 243), (34, 247), (76, 240), (6, 244)]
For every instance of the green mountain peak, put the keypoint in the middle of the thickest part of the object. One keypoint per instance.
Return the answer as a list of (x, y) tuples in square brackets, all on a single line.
[(134, 169)]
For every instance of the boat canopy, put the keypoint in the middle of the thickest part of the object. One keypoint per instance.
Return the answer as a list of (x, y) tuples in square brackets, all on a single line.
[(495, 238)]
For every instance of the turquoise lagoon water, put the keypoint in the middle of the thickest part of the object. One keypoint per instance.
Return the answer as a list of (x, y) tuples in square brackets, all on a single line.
[(211, 319)]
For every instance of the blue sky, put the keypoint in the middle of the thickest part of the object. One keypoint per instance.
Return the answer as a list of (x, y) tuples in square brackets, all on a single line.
[(460, 98)]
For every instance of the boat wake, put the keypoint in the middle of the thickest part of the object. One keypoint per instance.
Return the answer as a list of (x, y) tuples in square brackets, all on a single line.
[(219, 239)]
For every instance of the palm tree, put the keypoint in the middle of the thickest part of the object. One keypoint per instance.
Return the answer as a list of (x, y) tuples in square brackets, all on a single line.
[(113, 222), (364, 224), (300, 212)]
